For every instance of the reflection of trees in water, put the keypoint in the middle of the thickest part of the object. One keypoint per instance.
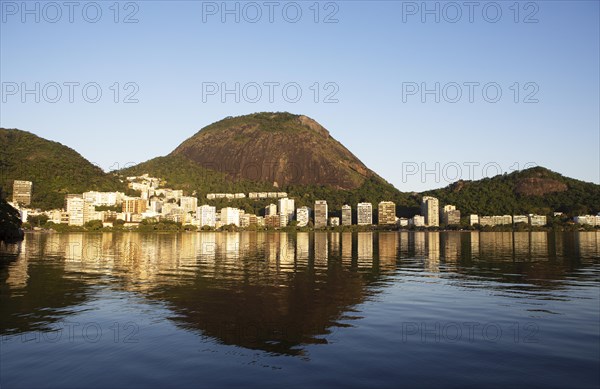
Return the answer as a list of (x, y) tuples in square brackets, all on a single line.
[(34, 295)]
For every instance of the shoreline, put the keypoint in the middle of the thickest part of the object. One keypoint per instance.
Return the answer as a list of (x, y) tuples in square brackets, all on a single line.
[(77, 230)]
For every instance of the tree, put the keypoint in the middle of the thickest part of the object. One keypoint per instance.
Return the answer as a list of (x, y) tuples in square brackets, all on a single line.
[(94, 225), (37, 220)]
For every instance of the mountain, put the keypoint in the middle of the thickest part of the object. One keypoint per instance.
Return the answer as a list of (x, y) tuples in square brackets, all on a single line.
[(277, 148), (271, 152), (534, 190), (54, 169)]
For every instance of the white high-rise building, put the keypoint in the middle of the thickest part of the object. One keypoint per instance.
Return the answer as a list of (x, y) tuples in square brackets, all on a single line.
[(321, 213), (22, 192), (271, 209), (386, 212), (207, 215), (364, 214), (302, 216), (230, 216), (75, 205), (430, 208), (188, 203), (286, 207), (346, 215)]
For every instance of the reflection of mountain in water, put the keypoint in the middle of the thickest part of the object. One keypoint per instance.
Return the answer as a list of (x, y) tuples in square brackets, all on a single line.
[(273, 291)]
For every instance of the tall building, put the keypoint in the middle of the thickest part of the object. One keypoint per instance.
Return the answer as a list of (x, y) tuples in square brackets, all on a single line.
[(89, 212), (302, 216), (346, 215), (207, 215), (430, 209), (22, 192), (74, 204), (271, 209), (134, 205), (188, 203), (286, 207), (230, 216), (450, 215), (321, 213), (386, 211), (364, 214)]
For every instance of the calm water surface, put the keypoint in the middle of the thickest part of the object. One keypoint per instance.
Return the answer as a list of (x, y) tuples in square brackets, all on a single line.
[(394, 309)]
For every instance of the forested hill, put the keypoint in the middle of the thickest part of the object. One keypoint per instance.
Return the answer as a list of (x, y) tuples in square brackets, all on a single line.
[(535, 190), (54, 169)]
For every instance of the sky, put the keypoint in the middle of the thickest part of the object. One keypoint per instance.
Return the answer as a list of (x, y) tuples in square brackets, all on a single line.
[(424, 93)]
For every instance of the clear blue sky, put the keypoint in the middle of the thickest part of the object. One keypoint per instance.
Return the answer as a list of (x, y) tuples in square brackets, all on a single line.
[(373, 53)]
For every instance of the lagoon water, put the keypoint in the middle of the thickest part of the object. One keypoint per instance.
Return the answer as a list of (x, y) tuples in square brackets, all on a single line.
[(324, 309)]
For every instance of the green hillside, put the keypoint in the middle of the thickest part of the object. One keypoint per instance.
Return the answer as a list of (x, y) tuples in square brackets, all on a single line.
[(535, 190), (181, 173), (54, 169)]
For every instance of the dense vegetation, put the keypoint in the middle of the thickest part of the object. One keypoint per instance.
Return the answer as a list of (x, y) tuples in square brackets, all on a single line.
[(10, 222), (193, 179), (54, 169), (519, 193)]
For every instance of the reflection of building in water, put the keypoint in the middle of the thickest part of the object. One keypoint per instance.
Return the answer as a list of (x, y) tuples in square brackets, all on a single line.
[(18, 270), (302, 248), (497, 245), (346, 248), (334, 244), (404, 237), (588, 243), (388, 247), (271, 248), (365, 249), (231, 246), (539, 244), (320, 248), (208, 250), (419, 244), (433, 251), (474, 235), (286, 252), (451, 246), (521, 244)]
